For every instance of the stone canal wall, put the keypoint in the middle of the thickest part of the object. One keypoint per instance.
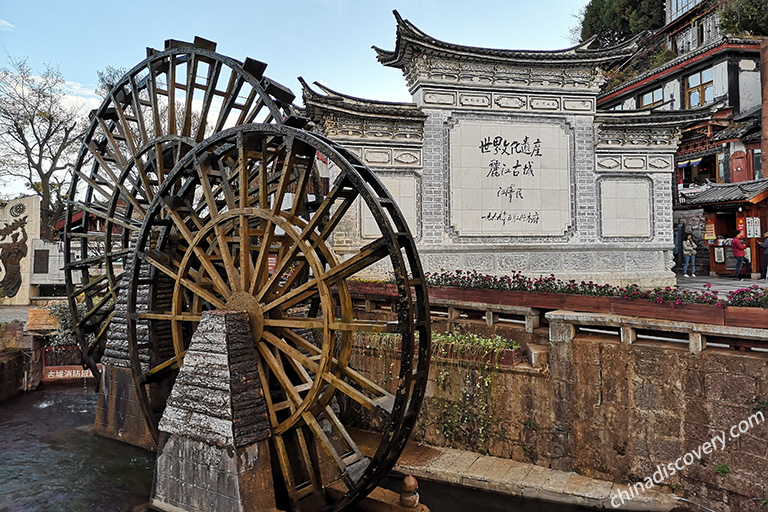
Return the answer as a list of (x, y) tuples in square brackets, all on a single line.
[(609, 397)]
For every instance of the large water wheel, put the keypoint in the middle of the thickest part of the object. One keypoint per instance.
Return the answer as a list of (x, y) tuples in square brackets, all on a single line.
[(245, 218)]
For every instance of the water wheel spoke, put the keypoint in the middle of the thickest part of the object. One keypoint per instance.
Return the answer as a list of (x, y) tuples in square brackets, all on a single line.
[(301, 342), (296, 295), (157, 371), (246, 263), (301, 187), (95, 286), (293, 353), (296, 322), (281, 265), (179, 317), (97, 186), (343, 460), (276, 368), (382, 399), (213, 75), (114, 219), (366, 326), (106, 303), (368, 255), (204, 259)]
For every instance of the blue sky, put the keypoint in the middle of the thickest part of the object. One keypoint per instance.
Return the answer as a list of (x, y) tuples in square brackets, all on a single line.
[(324, 40)]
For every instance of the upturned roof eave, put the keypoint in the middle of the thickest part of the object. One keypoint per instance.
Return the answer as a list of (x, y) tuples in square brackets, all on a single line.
[(339, 102), (410, 38)]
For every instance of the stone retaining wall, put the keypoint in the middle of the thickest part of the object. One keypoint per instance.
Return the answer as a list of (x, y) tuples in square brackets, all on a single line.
[(615, 397)]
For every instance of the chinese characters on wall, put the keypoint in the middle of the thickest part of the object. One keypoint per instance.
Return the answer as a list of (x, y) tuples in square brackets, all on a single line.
[(509, 179)]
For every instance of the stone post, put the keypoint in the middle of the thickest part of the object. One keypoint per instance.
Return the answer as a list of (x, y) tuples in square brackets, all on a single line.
[(561, 334), (213, 452)]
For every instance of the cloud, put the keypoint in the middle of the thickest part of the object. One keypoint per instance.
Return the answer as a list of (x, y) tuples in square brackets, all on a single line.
[(81, 96), (5, 26)]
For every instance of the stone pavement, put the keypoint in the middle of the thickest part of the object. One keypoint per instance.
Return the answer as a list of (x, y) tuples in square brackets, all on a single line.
[(723, 284), (509, 477)]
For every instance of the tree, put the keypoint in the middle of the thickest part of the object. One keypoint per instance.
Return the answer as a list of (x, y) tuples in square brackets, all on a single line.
[(745, 16), (40, 134), (614, 21), (108, 77)]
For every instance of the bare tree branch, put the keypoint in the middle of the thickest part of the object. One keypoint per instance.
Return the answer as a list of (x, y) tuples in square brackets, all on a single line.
[(39, 135)]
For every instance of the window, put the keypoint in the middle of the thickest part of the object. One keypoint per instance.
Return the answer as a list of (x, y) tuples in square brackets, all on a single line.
[(651, 99), (680, 7), (757, 163), (40, 265), (699, 88)]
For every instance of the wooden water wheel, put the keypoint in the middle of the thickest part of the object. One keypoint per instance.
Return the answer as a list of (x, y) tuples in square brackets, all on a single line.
[(151, 118), (246, 220)]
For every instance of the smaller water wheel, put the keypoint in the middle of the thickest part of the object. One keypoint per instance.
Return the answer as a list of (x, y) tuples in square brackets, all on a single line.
[(246, 221), (151, 118)]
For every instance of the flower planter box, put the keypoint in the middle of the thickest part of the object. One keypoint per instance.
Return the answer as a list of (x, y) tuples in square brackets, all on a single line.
[(746, 317), (698, 313)]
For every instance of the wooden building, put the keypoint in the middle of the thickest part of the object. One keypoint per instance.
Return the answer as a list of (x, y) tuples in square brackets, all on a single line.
[(729, 207)]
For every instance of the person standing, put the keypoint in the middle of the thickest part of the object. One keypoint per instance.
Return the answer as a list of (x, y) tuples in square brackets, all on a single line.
[(764, 256), (738, 247), (689, 253)]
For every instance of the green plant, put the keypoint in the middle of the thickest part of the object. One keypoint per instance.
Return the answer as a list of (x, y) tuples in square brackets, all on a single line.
[(722, 469), (759, 405), (761, 502), (531, 424)]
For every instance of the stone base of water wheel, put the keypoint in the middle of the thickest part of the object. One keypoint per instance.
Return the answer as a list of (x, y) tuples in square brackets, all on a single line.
[(213, 452)]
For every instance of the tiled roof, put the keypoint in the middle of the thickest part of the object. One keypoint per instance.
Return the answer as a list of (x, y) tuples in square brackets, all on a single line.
[(725, 40), (339, 102), (729, 192), (655, 118), (411, 40), (744, 127)]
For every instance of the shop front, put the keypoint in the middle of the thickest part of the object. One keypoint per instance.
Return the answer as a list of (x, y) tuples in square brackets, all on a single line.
[(729, 208)]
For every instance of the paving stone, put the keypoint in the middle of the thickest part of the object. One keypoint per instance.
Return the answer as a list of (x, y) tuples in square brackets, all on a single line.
[(476, 473), (579, 485)]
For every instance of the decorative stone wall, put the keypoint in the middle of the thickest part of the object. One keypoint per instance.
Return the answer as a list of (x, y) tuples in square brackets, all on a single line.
[(516, 170)]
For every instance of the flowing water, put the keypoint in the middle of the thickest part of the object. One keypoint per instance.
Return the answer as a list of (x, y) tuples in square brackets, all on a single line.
[(50, 461), (47, 464)]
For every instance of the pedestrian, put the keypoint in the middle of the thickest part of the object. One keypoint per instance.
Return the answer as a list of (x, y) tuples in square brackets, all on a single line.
[(764, 257), (689, 253), (738, 247)]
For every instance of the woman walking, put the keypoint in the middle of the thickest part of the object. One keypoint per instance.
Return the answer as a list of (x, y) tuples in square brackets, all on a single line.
[(689, 252)]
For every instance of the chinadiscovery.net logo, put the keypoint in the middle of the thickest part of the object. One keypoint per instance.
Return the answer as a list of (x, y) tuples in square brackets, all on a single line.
[(662, 473)]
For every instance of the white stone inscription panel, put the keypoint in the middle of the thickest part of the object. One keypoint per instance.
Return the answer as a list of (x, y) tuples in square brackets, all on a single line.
[(625, 208), (510, 179)]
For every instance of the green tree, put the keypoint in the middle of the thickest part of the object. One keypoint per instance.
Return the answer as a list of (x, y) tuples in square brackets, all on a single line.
[(40, 132), (614, 21), (745, 17)]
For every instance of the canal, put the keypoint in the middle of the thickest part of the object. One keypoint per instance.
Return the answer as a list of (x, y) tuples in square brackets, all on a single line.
[(51, 461)]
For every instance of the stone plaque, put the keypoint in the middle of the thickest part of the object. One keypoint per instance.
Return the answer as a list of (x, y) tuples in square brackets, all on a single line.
[(510, 178)]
